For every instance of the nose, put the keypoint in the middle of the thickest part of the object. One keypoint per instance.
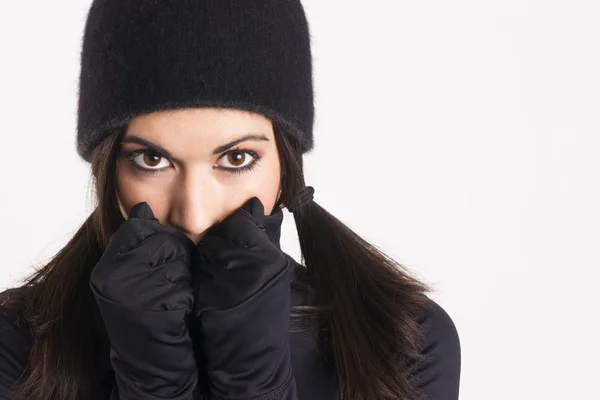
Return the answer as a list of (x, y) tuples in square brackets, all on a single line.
[(196, 205)]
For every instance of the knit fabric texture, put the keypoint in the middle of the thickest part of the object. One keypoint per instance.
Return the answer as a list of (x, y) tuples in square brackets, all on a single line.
[(140, 56)]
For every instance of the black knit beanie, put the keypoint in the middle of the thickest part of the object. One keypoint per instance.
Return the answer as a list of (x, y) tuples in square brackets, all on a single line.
[(140, 56)]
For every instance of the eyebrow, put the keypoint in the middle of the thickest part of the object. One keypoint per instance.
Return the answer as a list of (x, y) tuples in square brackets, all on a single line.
[(165, 153)]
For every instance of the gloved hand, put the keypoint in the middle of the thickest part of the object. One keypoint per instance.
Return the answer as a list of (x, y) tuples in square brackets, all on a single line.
[(242, 309), (143, 287)]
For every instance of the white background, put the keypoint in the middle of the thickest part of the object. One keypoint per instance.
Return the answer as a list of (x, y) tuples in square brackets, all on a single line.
[(461, 137)]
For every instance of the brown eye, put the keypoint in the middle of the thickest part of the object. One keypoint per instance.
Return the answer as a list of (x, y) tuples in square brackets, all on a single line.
[(237, 159), (151, 159), (148, 161)]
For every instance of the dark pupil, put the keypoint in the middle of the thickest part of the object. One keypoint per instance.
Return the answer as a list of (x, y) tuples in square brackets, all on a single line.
[(236, 157), (151, 159)]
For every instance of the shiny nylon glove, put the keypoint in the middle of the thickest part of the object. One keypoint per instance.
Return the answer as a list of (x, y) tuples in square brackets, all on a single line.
[(242, 310), (143, 288)]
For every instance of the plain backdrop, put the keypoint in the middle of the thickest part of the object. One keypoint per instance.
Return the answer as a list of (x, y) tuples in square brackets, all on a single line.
[(461, 137)]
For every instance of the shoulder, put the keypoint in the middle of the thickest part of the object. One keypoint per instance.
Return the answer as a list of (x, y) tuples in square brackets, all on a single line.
[(438, 327), (14, 350), (438, 373)]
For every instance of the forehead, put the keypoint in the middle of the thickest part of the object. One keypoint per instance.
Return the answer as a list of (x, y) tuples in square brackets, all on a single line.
[(202, 123)]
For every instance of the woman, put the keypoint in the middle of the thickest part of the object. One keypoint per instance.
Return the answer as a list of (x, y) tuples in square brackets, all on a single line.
[(195, 116)]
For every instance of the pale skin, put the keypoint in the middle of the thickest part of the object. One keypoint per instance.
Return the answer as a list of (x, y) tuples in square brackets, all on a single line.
[(194, 189)]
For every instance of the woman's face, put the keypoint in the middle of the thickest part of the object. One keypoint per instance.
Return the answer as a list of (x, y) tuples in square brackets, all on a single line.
[(195, 166)]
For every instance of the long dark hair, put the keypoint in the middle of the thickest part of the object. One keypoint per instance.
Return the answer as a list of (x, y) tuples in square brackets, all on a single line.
[(364, 308)]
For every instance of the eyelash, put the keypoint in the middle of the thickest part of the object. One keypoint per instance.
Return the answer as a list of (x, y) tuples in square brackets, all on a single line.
[(234, 171)]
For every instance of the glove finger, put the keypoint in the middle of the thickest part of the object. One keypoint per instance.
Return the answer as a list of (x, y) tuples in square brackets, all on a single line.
[(256, 209), (142, 210), (142, 216), (226, 276), (139, 225), (119, 267), (171, 257), (217, 252), (241, 224), (162, 247), (152, 275)]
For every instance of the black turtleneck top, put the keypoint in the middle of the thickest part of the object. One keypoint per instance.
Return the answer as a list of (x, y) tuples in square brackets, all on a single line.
[(438, 375)]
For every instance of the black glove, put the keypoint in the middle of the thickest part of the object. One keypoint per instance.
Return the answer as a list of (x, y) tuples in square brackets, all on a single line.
[(242, 309), (143, 288)]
